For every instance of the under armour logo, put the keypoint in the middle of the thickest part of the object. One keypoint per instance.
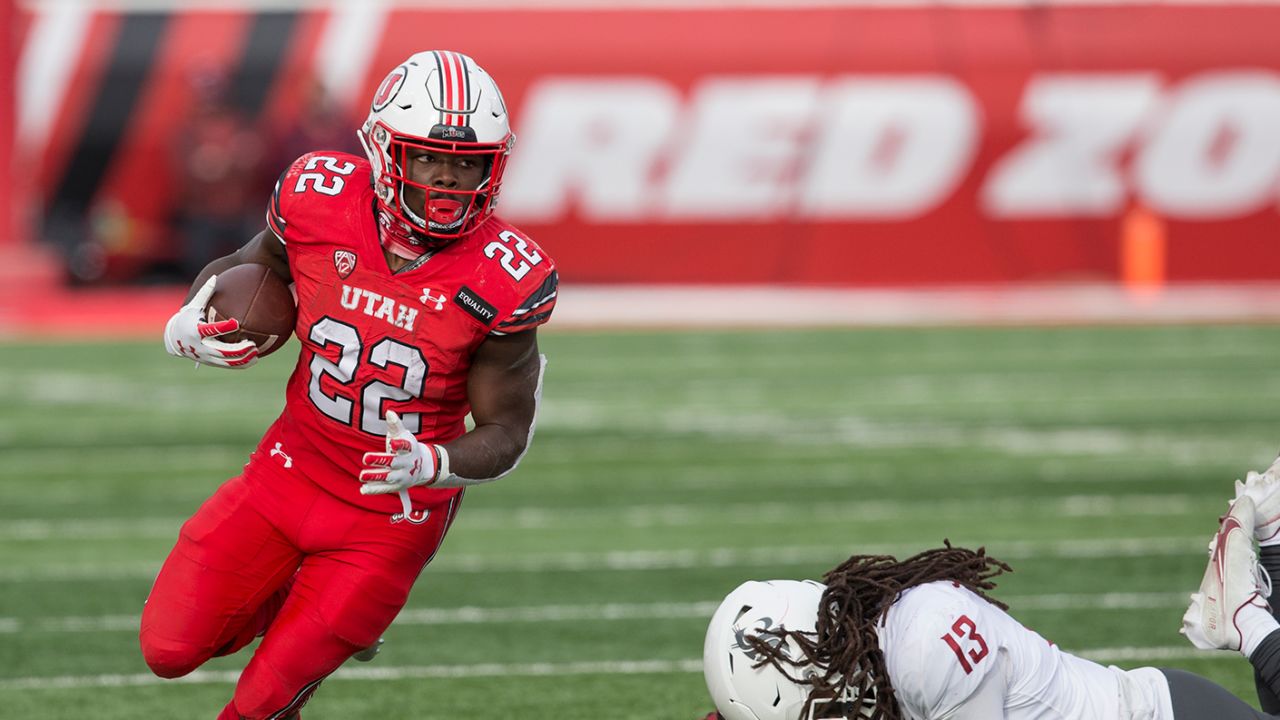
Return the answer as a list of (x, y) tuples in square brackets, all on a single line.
[(427, 298), (288, 461)]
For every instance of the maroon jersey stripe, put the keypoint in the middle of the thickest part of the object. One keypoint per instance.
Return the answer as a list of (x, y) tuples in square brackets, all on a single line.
[(548, 288), (275, 216), (525, 323)]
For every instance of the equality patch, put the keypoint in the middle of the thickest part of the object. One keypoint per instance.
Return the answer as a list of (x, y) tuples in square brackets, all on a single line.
[(468, 300)]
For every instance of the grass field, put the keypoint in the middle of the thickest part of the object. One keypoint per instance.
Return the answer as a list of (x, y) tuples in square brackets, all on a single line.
[(667, 469)]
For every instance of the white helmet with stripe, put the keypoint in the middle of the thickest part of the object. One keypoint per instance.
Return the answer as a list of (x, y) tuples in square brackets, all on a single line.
[(442, 102), (742, 691)]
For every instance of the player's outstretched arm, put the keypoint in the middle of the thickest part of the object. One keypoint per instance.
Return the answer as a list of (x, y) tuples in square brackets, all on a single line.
[(504, 386)]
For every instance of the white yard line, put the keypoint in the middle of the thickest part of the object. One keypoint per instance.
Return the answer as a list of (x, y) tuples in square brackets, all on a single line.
[(672, 515), (641, 560), (505, 670), (89, 529), (420, 616), (845, 432), (848, 431), (714, 420), (868, 432), (606, 612), (1100, 601), (1133, 654), (602, 667)]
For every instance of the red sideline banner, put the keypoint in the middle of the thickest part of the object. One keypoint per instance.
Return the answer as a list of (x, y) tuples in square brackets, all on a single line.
[(836, 145), (8, 61)]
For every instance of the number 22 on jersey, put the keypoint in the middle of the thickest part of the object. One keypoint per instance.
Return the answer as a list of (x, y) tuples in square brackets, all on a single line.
[(340, 405), (964, 630)]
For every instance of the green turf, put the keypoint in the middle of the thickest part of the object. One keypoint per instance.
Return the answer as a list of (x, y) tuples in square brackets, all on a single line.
[(667, 468)]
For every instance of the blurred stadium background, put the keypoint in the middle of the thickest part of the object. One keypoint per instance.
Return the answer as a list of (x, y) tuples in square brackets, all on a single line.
[(838, 277)]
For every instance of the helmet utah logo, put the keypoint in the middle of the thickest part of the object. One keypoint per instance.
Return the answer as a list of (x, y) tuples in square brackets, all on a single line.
[(389, 88), (345, 262)]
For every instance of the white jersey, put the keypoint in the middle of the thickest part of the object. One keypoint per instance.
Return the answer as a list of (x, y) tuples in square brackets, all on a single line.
[(940, 641)]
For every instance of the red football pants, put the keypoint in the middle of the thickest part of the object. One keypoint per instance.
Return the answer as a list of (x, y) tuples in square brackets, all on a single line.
[(347, 572)]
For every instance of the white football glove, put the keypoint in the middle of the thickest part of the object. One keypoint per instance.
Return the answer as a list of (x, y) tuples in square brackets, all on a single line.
[(189, 335), (406, 462)]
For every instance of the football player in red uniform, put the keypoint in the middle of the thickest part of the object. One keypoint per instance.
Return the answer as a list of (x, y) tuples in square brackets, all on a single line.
[(416, 305)]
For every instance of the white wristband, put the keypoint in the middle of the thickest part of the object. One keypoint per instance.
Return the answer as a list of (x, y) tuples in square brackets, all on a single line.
[(446, 479), (442, 471)]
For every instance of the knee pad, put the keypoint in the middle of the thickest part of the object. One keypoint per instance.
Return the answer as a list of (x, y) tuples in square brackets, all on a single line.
[(170, 659)]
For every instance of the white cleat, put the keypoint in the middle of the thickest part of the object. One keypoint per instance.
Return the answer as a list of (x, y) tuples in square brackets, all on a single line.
[(370, 652), (1230, 584), (1264, 488)]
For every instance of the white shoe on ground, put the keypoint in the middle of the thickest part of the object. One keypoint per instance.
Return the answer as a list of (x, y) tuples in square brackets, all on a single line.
[(1221, 612)]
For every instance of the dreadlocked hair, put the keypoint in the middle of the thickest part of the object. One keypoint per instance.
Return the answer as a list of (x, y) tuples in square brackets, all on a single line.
[(844, 651)]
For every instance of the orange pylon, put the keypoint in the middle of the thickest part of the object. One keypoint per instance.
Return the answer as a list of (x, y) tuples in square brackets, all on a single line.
[(1143, 250)]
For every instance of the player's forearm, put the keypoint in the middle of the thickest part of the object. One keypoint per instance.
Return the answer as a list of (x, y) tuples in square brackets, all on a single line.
[(486, 453)]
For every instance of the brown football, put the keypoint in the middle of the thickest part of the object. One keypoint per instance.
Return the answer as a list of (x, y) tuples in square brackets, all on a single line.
[(260, 300)]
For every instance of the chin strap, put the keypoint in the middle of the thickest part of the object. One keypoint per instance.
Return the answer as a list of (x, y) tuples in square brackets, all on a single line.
[(396, 237), (403, 241)]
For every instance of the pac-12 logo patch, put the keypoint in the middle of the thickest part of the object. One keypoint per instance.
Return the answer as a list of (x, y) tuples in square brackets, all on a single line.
[(345, 262)]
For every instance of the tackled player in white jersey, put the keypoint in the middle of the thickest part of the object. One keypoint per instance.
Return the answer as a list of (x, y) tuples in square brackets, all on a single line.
[(920, 639)]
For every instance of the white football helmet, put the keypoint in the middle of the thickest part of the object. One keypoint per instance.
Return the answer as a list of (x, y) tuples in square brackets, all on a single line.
[(443, 102), (743, 692)]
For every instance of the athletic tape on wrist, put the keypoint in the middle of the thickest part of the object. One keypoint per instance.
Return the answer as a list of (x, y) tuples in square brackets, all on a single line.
[(442, 464)]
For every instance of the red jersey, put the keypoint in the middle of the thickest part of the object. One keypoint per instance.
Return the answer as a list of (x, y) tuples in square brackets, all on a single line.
[(374, 341)]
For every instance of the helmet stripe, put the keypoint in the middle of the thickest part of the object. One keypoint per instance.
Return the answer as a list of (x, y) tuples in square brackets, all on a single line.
[(454, 88), (458, 103), (466, 90), (440, 76), (457, 74), (447, 99)]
